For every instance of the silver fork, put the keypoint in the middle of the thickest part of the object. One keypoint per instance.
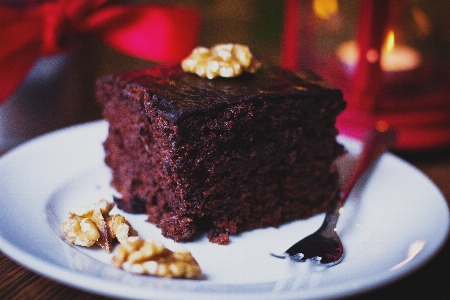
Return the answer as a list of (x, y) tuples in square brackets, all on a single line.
[(324, 246)]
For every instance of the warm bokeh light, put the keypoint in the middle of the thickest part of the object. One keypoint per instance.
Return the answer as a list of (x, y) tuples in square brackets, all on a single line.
[(324, 9), (423, 24), (381, 126)]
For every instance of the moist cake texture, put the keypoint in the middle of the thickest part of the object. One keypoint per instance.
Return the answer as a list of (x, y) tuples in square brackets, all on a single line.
[(224, 155)]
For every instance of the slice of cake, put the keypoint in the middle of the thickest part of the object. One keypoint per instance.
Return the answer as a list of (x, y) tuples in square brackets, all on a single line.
[(223, 155)]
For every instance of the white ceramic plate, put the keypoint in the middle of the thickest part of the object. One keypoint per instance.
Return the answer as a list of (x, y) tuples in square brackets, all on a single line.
[(389, 228)]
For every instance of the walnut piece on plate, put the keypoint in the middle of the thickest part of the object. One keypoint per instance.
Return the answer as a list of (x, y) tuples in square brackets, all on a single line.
[(151, 257), (80, 231), (119, 228), (92, 225)]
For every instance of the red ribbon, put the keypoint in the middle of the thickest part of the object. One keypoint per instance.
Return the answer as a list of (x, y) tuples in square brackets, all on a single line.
[(155, 33)]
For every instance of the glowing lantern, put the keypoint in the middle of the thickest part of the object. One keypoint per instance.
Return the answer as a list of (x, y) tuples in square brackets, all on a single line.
[(380, 53)]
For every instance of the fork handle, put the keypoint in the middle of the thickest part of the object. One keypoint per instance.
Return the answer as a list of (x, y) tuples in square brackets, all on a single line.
[(378, 141)]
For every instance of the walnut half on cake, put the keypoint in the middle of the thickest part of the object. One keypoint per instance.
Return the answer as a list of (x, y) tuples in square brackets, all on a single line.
[(221, 155)]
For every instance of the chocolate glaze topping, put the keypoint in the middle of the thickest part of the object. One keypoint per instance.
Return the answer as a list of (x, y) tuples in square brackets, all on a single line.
[(180, 93)]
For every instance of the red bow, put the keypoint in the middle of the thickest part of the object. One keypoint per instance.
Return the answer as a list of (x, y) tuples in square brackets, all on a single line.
[(150, 32)]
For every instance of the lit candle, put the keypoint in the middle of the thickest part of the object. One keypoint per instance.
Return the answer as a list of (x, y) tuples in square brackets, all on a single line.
[(398, 58), (394, 58)]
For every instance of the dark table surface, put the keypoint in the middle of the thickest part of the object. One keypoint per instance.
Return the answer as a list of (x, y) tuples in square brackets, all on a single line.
[(432, 281)]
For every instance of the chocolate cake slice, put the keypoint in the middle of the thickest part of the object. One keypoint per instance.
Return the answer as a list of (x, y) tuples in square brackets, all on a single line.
[(223, 155)]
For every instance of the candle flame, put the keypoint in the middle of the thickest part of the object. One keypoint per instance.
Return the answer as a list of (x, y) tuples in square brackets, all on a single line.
[(398, 57), (390, 42)]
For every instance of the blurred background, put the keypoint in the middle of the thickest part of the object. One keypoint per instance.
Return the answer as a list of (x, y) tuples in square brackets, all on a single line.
[(59, 91)]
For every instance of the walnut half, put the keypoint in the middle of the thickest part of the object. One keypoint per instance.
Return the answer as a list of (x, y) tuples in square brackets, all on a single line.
[(80, 231), (150, 257), (92, 225), (224, 60)]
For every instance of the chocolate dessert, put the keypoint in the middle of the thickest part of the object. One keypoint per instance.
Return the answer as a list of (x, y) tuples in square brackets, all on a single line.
[(221, 155)]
